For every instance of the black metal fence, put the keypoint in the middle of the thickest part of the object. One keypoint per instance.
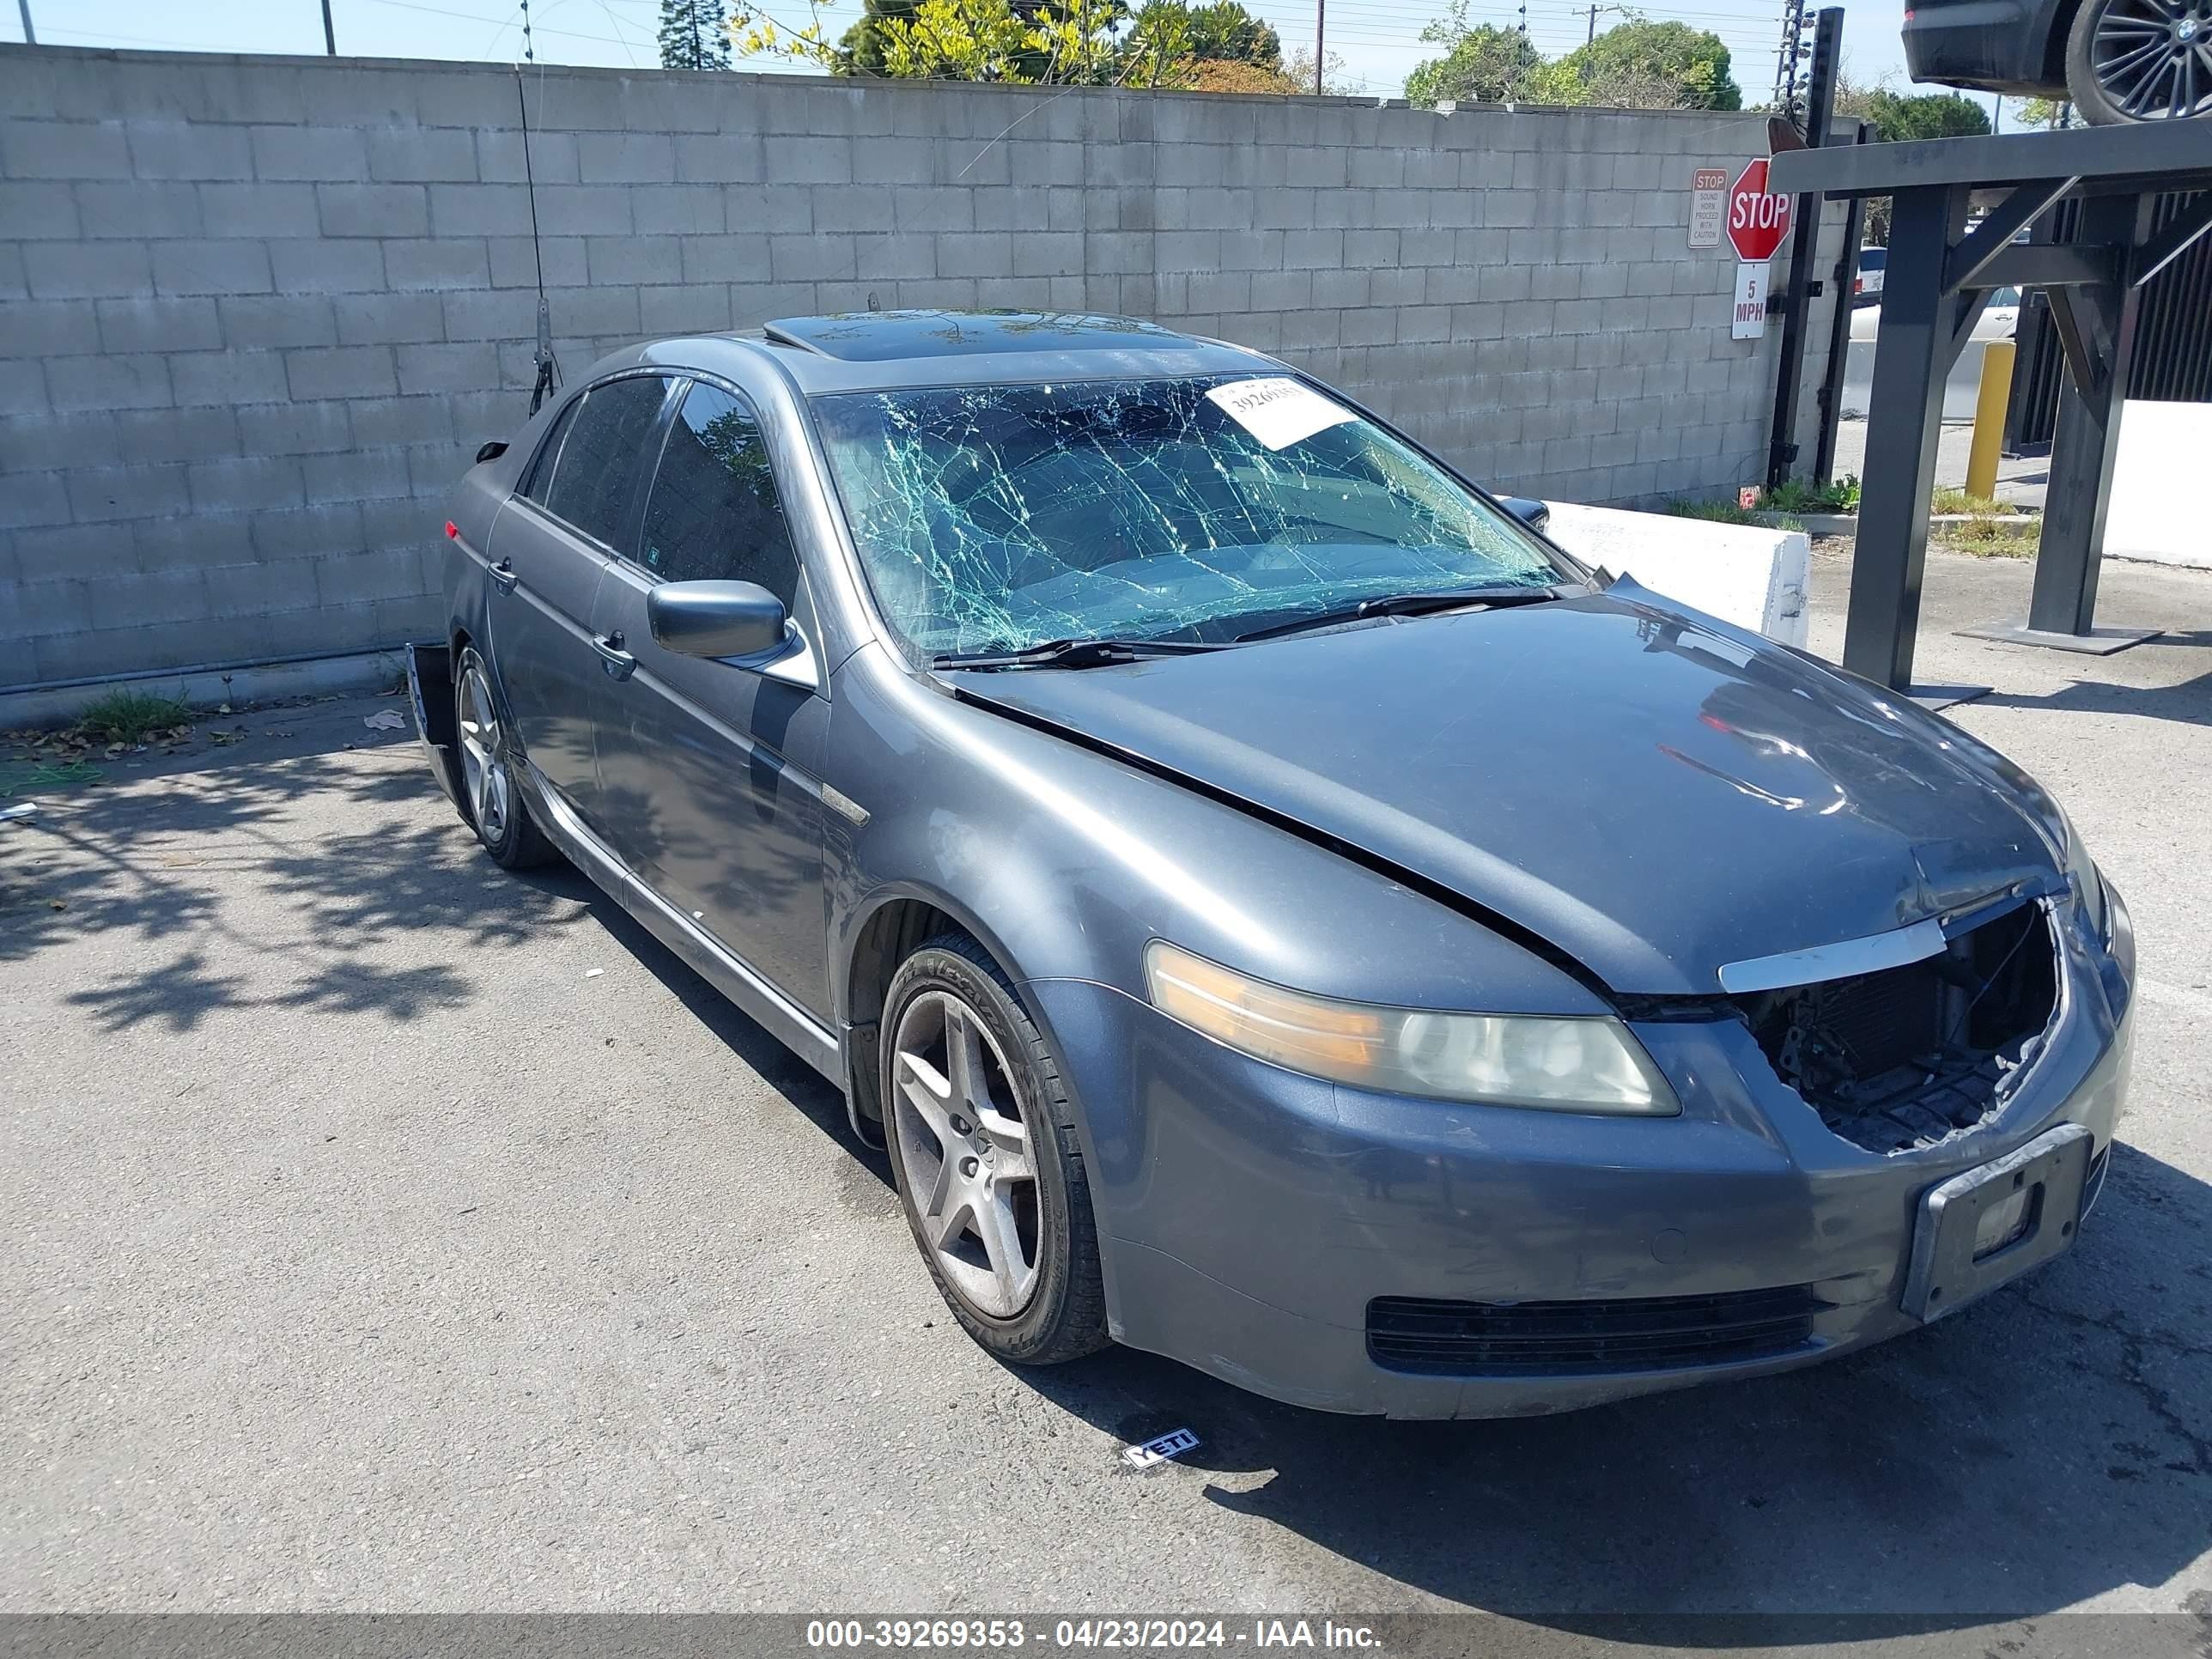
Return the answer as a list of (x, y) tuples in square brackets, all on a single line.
[(2173, 339)]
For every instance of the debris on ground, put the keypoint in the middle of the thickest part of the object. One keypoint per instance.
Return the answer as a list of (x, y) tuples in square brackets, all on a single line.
[(21, 810), (385, 720), (1160, 1449)]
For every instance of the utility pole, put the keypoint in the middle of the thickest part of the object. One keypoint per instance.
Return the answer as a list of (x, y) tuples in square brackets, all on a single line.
[(30, 34), (330, 35), (1320, 38)]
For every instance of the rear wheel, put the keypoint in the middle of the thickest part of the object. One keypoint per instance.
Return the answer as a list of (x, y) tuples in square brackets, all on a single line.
[(2140, 60), (983, 1144), (494, 805)]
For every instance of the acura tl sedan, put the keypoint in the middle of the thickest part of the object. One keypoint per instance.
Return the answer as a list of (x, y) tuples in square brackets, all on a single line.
[(1276, 908)]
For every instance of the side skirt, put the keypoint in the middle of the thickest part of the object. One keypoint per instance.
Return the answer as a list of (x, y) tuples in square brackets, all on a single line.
[(734, 977)]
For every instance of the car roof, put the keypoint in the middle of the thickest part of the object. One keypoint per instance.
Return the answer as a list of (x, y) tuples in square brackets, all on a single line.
[(871, 351)]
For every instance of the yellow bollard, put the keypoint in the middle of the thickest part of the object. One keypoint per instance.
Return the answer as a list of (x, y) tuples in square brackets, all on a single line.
[(1990, 418)]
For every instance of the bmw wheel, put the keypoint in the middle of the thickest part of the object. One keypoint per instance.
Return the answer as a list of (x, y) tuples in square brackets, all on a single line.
[(983, 1145), (2140, 60), (495, 807)]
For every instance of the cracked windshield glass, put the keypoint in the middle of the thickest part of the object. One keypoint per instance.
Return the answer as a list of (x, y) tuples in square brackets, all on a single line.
[(994, 518)]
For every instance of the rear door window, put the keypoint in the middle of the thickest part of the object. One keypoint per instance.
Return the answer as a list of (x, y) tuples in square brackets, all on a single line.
[(598, 462), (540, 476), (714, 513)]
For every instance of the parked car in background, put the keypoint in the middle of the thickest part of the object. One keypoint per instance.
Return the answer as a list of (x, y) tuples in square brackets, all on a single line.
[(1866, 289), (1276, 909), (2117, 60), (2000, 319)]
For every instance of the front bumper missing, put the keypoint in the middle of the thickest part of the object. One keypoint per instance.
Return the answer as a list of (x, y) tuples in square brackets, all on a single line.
[(1954, 1261), (430, 694)]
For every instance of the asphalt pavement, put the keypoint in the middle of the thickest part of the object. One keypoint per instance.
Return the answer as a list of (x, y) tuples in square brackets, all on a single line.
[(382, 1232)]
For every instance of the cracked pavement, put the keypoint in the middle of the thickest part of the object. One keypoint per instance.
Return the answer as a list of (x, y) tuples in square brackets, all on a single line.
[(382, 1232)]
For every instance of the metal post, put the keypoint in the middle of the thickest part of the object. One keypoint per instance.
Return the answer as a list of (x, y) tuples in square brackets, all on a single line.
[(2088, 436), (1839, 326), (1789, 361), (1905, 417), (330, 35), (30, 34), (1991, 396), (1321, 48)]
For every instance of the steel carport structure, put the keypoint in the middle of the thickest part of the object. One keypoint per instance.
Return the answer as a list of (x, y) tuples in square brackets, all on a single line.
[(1942, 270)]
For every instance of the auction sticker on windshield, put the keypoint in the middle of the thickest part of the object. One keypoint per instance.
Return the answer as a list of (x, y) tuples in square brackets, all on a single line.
[(1279, 412)]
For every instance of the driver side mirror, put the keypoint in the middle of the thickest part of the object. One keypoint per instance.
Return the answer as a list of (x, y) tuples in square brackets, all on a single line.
[(715, 618), (1534, 514)]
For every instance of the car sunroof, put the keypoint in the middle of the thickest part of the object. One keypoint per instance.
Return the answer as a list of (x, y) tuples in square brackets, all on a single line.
[(875, 336)]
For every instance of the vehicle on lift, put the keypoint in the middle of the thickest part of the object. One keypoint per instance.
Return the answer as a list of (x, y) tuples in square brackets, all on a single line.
[(2117, 60), (1278, 910)]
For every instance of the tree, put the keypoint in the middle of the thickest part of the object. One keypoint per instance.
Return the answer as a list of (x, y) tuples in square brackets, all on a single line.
[(2053, 112), (1223, 32), (694, 35), (1024, 42), (1898, 117), (1641, 64), (1484, 64)]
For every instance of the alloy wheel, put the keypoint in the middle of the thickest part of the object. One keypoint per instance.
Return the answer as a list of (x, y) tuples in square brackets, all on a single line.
[(2153, 58), (964, 1146), (483, 754)]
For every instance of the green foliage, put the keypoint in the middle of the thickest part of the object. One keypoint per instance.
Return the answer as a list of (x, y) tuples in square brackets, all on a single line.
[(694, 35), (132, 716), (1716, 512), (2053, 112), (1636, 65), (1484, 64), (1025, 42), (1898, 116), (1796, 495), (1223, 32)]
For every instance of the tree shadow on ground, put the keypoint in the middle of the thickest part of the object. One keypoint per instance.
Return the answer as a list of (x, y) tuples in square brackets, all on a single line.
[(2043, 1447), (190, 875)]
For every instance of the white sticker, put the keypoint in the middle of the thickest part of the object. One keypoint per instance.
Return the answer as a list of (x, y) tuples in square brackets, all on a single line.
[(1178, 1441), (1278, 411)]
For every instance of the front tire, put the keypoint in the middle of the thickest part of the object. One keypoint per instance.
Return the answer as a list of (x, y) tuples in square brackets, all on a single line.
[(983, 1146), (490, 796), (2140, 60)]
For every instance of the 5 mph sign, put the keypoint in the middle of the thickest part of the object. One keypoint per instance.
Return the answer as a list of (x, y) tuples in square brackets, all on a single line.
[(1757, 223)]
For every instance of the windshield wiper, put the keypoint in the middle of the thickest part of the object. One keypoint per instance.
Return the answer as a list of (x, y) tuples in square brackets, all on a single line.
[(1417, 605), (1071, 654)]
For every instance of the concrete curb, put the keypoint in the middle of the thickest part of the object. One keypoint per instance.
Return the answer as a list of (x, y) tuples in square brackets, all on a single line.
[(57, 705), (1847, 523)]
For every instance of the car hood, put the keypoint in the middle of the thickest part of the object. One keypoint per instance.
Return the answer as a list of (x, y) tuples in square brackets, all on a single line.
[(1654, 793)]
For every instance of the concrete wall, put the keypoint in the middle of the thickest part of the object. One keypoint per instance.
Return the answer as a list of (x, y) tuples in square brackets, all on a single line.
[(259, 311)]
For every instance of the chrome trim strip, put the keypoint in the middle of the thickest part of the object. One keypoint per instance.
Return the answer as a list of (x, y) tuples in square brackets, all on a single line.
[(1846, 959), (747, 985)]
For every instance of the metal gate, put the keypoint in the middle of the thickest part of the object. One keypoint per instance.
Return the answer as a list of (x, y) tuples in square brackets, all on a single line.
[(2173, 338)]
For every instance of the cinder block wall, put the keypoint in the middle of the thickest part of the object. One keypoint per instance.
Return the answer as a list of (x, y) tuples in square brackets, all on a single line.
[(258, 312)]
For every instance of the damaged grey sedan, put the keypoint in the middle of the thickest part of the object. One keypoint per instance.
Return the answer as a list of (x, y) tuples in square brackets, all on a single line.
[(1277, 909)]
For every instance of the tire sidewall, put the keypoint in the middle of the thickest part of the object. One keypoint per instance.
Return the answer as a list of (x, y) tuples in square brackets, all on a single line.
[(1037, 1325), (505, 847)]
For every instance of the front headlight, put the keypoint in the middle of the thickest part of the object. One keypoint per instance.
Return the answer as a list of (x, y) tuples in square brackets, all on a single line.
[(1550, 1063)]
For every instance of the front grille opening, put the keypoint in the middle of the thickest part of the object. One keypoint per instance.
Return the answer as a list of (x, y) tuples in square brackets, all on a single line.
[(1911, 1056), (1587, 1338)]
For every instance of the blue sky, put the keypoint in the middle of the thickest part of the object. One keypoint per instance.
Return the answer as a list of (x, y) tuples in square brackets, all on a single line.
[(1378, 39)]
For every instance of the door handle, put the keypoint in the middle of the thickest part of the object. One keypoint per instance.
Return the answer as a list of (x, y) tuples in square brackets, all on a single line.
[(503, 577), (617, 662)]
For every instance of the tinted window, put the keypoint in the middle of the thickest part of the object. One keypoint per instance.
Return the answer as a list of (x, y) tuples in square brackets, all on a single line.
[(541, 465), (1873, 258), (715, 514), (591, 484)]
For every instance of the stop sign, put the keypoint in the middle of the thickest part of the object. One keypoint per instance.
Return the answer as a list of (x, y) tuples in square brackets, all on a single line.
[(1756, 221)]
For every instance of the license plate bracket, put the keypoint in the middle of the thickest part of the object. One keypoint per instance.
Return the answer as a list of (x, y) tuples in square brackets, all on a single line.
[(1951, 1264)]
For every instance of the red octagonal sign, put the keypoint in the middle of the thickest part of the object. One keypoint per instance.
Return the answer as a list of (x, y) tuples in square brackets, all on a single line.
[(1756, 221)]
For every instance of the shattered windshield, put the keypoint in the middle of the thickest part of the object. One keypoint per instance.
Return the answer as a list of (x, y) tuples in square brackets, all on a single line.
[(993, 517)]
